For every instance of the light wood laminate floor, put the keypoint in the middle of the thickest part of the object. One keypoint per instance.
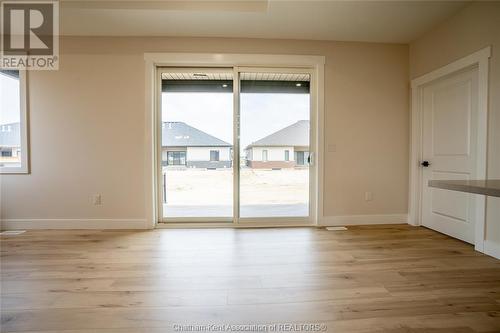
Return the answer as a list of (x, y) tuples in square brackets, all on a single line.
[(366, 279)]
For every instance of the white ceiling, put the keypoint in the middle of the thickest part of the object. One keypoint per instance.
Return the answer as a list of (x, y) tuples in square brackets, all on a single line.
[(370, 21)]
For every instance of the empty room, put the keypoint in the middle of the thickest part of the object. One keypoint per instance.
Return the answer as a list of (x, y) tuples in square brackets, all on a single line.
[(249, 166)]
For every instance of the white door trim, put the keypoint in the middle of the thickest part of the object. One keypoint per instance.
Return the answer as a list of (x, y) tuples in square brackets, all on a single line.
[(481, 59), (155, 60)]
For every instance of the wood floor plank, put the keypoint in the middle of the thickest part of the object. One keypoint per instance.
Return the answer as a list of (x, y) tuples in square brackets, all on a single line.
[(394, 278)]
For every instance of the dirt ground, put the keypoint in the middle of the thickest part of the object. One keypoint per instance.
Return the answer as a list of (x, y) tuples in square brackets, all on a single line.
[(258, 187)]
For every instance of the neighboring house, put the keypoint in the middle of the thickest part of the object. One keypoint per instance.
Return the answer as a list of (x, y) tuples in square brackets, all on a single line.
[(10, 142), (183, 145), (286, 148)]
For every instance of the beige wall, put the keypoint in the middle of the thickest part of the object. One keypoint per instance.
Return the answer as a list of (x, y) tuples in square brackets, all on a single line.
[(88, 127), (473, 28)]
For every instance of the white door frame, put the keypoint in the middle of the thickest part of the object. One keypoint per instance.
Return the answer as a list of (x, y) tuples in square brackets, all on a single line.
[(480, 59), (155, 60)]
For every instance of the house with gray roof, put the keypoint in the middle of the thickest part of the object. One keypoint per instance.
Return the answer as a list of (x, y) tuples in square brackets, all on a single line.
[(10, 143), (286, 148), (186, 146)]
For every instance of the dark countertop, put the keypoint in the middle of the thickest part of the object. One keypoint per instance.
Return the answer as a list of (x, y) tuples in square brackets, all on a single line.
[(489, 187)]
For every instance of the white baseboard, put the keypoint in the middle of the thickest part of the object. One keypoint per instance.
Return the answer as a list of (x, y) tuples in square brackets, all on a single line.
[(492, 249), (25, 224), (364, 219)]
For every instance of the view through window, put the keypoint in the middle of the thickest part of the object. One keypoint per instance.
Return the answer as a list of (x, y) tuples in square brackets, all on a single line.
[(11, 123), (197, 144), (274, 125)]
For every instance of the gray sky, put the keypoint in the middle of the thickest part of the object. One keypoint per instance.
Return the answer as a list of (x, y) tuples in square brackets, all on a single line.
[(9, 100), (261, 114)]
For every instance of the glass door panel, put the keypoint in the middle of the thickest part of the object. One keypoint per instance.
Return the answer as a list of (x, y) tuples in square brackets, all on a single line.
[(197, 144), (274, 144)]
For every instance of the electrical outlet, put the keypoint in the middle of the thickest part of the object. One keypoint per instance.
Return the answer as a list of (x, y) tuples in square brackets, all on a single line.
[(97, 200), (368, 196)]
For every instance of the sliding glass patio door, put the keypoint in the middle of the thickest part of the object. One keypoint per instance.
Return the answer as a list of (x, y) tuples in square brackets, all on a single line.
[(275, 109), (235, 145), (196, 144)]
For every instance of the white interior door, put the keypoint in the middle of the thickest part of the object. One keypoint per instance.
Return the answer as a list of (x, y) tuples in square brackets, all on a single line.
[(450, 115)]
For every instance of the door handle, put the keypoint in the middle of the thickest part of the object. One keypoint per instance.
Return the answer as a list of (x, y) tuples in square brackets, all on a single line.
[(310, 159), (425, 164)]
